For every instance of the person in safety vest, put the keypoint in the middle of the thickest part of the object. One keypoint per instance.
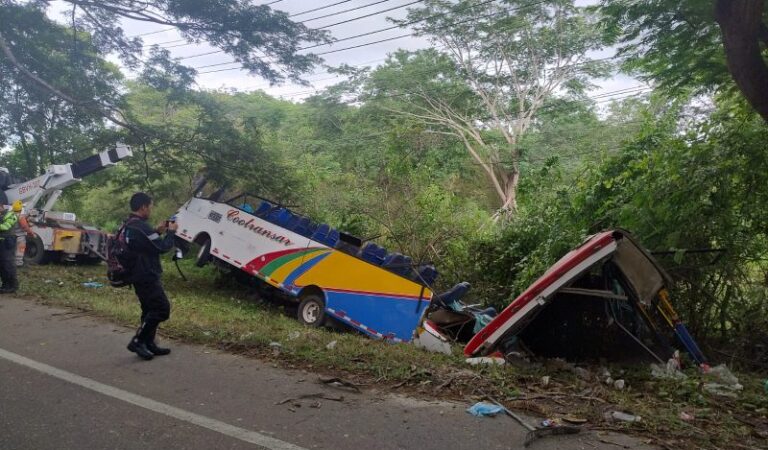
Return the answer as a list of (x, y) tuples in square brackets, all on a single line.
[(22, 232), (8, 223)]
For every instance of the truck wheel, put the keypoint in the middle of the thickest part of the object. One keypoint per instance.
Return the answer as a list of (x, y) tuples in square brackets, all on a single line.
[(35, 252), (312, 311), (204, 254)]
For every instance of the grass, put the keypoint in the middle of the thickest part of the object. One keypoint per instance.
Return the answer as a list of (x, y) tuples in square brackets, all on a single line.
[(212, 311)]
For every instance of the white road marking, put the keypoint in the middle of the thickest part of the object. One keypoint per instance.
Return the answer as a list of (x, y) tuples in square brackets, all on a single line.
[(152, 405)]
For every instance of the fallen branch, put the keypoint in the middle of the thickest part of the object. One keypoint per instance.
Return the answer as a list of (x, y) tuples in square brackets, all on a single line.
[(334, 398)]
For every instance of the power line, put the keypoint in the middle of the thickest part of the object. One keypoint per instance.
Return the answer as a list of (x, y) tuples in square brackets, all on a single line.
[(319, 8), (153, 32), (173, 28), (400, 36), (381, 30), (365, 63), (345, 11), (376, 13), (425, 72), (364, 45), (165, 42), (321, 28)]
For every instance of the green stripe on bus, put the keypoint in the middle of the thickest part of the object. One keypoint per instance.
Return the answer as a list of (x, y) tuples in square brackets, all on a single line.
[(279, 262)]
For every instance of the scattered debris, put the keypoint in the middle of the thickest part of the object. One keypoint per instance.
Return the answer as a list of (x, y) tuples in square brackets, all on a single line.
[(684, 416), (535, 433), (606, 441), (725, 385), (92, 284), (547, 423), (276, 348), (486, 360), (293, 335), (338, 383), (583, 373), (619, 384), (483, 409), (575, 420), (669, 371), (622, 416), (545, 380), (331, 345), (430, 338), (320, 395), (246, 336)]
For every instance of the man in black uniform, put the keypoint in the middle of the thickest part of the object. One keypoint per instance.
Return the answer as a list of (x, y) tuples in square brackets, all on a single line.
[(8, 222), (145, 246)]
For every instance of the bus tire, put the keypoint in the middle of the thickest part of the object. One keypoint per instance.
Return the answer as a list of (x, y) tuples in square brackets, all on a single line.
[(204, 254), (312, 311)]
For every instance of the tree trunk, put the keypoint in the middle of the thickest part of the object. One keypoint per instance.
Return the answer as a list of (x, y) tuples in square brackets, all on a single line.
[(741, 23)]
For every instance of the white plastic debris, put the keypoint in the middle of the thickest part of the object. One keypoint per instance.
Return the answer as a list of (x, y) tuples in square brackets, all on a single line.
[(293, 335), (485, 360), (669, 371), (619, 384), (331, 345), (430, 339), (725, 382), (622, 416), (545, 380)]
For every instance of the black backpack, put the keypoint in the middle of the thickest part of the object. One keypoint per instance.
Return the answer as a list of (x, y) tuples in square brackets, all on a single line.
[(119, 258)]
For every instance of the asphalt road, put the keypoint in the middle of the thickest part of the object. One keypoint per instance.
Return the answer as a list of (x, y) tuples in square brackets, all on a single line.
[(67, 382)]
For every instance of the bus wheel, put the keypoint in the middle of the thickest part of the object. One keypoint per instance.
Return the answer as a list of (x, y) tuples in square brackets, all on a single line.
[(312, 311), (204, 254)]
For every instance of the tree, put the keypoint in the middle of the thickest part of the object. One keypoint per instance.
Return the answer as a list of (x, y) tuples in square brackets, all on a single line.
[(49, 127), (695, 45), (265, 42), (500, 63)]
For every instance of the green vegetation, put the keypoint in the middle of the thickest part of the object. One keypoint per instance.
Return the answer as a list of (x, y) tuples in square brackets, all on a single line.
[(228, 318), (486, 155)]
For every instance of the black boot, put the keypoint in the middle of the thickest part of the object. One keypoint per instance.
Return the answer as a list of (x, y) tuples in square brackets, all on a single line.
[(140, 348), (158, 351), (152, 346), (138, 343)]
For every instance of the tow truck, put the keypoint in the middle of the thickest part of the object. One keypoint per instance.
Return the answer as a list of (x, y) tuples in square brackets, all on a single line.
[(58, 235)]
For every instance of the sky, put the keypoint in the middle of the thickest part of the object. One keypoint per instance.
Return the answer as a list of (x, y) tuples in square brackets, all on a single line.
[(223, 76)]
